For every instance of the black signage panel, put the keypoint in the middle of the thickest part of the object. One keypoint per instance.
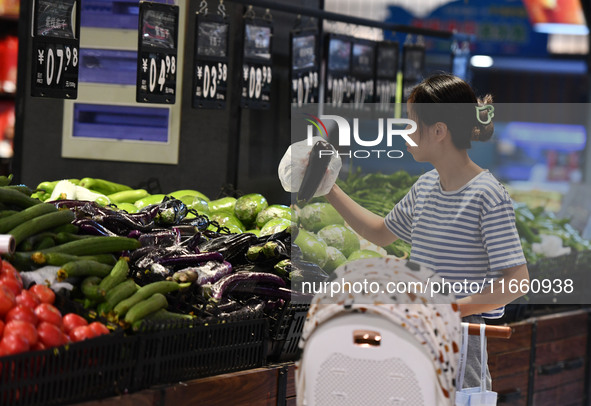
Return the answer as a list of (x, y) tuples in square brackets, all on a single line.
[(56, 47), (386, 72), (338, 87), (157, 53), (413, 64), (256, 67), (210, 63), (363, 71), (305, 67)]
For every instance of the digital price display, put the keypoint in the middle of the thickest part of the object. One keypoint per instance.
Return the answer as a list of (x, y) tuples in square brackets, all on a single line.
[(386, 73), (413, 64), (363, 72), (256, 67), (157, 53), (210, 64), (338, 70), (56, 47), (305, 69)]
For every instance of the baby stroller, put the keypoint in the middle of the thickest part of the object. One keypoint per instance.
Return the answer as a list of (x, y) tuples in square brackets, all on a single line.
[(382, 348), (377, 346)]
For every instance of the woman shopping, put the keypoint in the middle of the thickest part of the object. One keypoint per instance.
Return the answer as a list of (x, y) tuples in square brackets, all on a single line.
[(458, 218)]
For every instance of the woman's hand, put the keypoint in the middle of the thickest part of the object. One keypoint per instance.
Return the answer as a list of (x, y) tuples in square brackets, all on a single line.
[(494, 296)]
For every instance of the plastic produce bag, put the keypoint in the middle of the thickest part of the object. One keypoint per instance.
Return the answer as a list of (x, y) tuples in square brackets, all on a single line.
[(478, 396), (292, 168)]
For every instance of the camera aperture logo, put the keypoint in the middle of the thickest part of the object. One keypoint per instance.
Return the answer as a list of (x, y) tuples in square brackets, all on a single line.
[(402, 127)]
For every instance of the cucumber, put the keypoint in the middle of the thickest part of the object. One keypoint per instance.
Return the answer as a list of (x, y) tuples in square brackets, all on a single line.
[(103, 186), (161, 315), (128, 196), (66, 228), (147, 306), (46, 242), (63, 237), (59, 259), (91, 290), (25, 215), (117, 275), (11, 196), (143, 293), (83, 267), (120, 292), (8, 213), (41, 223), (96, 245)]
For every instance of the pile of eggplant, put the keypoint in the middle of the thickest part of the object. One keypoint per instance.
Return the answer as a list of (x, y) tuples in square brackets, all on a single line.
[(224, 275)]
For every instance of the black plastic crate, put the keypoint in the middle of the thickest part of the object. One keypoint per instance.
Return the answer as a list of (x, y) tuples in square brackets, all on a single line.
[(91, 369), (286, 330), (190, 350)]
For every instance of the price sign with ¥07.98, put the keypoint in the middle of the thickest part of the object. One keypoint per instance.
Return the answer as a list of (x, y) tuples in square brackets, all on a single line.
[(56, 45), (257, 73), (157, 53), (210, 67), (305, 69)]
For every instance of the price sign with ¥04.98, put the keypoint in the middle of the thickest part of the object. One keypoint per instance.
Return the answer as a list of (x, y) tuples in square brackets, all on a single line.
[(210, 67), (305, 70), (56, 45), (339, 83), (157, 53), (386, 73), (257, 73)]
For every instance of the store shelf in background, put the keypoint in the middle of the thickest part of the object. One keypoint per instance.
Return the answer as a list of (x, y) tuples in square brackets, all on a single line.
[(8, 63)]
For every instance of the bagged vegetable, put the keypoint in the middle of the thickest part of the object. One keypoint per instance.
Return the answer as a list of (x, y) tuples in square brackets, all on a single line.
[(292, 168)]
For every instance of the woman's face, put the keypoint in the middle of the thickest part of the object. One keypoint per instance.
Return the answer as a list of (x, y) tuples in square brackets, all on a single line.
[(421, 137)]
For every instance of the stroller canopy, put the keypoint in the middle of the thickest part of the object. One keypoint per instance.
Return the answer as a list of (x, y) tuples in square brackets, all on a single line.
[(391, 288)]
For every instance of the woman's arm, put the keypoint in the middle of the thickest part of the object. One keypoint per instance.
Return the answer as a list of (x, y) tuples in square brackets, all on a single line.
[(494, 296), (367, 224)]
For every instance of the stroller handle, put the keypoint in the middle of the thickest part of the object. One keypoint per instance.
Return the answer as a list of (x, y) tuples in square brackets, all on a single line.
[(490, 331)]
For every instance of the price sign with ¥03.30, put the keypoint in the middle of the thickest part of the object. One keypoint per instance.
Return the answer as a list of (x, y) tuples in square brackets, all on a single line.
[(56, 45), (256, 67), (210, 64), (157, 53)]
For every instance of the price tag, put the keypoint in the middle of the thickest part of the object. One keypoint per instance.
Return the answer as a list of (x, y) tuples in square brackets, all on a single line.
[(413, 64), (339, 84), (363, 72), (257, 74), (386, 72), (210, 67), (157, 53), (56, 47), (305, 71)]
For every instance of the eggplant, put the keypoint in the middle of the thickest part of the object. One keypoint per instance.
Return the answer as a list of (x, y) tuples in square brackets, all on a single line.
[(165, 238), (210, 272), (233, 247), (88, 226), (171, 211), (217, 290), (271, 250), (315, 171), (252, 308), (190, 259)]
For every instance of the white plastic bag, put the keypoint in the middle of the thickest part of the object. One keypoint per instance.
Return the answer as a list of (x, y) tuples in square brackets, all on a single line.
[(478, 396), (295, 161)]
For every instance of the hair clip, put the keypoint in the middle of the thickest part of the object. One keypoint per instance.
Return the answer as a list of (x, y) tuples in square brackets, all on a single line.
[(491, 113)]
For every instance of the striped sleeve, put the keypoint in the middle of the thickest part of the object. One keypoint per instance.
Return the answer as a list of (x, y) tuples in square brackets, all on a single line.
[(500, 237), (399, 220)]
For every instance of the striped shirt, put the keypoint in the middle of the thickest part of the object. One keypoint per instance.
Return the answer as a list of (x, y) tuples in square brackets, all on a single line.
[(467, 235)]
